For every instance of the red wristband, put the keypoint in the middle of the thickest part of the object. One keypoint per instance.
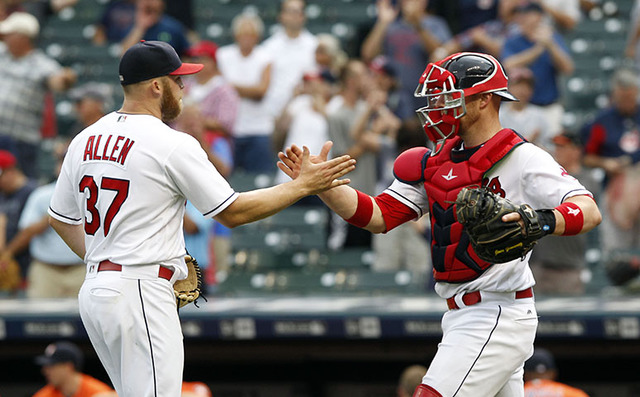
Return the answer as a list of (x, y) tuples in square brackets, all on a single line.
[(573, 218), (364, 211)]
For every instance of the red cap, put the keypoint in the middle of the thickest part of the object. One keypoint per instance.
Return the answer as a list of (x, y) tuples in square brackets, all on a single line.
[(311, 75), (7, 160), (203, 48)]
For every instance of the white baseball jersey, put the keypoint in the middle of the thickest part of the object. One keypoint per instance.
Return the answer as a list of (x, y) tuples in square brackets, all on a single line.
[(527, 175), (126, 178)]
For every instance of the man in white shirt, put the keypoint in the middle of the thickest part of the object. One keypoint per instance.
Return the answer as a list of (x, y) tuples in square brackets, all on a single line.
[(292, 50)]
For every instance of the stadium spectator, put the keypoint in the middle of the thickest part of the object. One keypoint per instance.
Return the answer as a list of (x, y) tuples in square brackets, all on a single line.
[(329, 54), (26, 76), (7, 7), (92, 101), (540, 374), (15, 189), (182, 10), (55, 271), (61, 366), (612, 142), (406, 35), (385, 76), (462, 15), (523, 116), (292, 51), (128, 21), (304, 119), (558, 263), (632, 48), (563, 14), (350, 136), (116, 20), (410, 378), (195, 389), (538, 47), (217, 100), (405, 247), (487, 37), (248, 68), (43, 9), (200, 232)]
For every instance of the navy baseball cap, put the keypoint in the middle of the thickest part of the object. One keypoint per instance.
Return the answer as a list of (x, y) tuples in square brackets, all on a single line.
[(61, 352), (541, 361), (150, 59)]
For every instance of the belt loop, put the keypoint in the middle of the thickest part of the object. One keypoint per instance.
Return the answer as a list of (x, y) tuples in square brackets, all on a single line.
[(457, 298)]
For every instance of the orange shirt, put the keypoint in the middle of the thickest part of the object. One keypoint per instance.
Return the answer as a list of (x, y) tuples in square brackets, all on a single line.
[(197, 388), (549, 388), (88, 387)]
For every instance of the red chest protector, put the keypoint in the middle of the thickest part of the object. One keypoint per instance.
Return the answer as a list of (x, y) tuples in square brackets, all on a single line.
[(453, 257)]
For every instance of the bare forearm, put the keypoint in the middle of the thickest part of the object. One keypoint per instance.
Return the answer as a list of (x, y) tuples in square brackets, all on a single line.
[(21, 240), (372, 45), (524, 58), (132, 38), (561, 60), (560, 18), (343, 200), (72, 235), (257, 204), (256, 93), (429, 41)]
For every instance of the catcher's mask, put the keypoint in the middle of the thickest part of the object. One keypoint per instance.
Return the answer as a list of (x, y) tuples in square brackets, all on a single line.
[(445, 84)]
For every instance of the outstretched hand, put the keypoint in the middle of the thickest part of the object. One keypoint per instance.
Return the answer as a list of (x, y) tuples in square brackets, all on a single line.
[(315, 172), (291, 160)]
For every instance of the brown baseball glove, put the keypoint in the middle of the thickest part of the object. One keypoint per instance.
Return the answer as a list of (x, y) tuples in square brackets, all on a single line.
[(189, 289), (10, 276), (493, 240)]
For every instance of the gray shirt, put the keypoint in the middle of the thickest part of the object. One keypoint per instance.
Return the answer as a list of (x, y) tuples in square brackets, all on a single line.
[(364, 177), (23, 85)]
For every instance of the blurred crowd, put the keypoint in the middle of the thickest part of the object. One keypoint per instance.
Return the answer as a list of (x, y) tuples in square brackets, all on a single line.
[(269, 89)]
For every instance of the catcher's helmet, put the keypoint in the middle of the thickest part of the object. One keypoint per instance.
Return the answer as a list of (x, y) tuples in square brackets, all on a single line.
[(446, 83)]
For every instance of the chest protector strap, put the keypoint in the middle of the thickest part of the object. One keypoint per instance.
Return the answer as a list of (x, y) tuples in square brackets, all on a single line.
[(453, 257)]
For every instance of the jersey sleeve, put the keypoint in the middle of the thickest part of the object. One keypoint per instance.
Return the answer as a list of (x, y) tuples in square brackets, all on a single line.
[(546, 184), (63, 205), (197, 179), (412, 196)]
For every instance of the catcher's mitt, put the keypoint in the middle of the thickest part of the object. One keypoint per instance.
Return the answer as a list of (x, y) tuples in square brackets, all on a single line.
[(189, 289), (480, 212), (10, 275)]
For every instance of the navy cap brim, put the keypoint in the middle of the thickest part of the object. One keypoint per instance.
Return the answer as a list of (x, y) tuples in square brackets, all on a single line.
[(44, 361)]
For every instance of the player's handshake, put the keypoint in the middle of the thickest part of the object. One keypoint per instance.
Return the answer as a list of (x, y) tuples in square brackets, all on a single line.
[(315, 172)]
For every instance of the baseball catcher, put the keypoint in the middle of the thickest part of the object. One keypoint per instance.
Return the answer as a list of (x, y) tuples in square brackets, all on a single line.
[(496, 241), (189, 289)]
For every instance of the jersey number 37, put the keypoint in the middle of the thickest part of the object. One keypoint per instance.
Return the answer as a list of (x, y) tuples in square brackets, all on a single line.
[(120, 186)]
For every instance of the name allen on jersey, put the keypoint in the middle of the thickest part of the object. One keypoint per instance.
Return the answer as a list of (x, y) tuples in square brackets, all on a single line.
[(99, 149)]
